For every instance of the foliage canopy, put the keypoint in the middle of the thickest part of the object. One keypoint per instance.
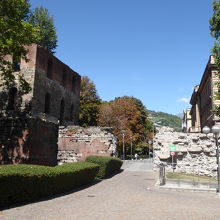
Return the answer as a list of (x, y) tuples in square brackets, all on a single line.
[(44, 22), (215, 32), (89, 103), (15, 32), (126, 115)]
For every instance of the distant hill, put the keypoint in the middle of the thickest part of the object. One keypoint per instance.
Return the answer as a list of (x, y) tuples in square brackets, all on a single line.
[(165, 119), (180, 115)]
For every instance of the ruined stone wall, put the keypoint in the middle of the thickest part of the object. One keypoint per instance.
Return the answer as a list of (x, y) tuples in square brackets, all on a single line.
[(28, 140), (195, 152), (62, 84), (57, 93), (76, 143), (29, 133)]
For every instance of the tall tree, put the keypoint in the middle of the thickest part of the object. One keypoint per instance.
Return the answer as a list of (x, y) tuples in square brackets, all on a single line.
[(126, 115), (89, 103), (44, 22), (15, 32), (215, 32)]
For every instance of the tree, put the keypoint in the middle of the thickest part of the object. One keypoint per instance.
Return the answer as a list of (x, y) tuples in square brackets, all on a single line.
[(42, 20), (128, 115), (215, 32), (15, 32), (89, 103)]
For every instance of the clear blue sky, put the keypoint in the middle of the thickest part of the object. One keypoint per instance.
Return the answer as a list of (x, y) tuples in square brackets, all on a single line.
[(154, 50)]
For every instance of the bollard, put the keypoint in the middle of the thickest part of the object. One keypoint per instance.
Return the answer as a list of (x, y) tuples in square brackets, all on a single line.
[(162, 175)]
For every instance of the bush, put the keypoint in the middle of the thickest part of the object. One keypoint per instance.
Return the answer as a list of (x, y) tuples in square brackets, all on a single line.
[(19, 183), (108, 165)]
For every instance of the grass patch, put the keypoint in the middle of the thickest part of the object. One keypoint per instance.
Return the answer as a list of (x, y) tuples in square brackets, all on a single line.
[(190, 177)]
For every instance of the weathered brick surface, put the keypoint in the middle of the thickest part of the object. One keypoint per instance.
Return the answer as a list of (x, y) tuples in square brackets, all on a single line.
[(29, 141), (76, 143), (42, 142), (28, 133)]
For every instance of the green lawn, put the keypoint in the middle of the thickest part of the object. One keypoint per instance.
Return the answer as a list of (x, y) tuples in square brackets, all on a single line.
[(191, 177)]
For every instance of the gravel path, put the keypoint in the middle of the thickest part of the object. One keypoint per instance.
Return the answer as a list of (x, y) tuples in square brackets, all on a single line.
[(127, 195)]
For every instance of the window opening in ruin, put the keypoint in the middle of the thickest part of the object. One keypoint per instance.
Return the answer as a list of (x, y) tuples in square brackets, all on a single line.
[(16, 62), (12, 98), (62, 106), (73, 83), (64, 77), (49, 68), (71, 112), (47, 103)]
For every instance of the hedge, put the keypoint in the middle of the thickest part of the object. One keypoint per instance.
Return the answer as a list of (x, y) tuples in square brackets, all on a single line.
[(108, 165), (19, 183)]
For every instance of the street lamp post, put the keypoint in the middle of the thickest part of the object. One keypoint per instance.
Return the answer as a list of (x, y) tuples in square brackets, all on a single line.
[(149, 143), (216, 132), (123, 141), (131, 146)]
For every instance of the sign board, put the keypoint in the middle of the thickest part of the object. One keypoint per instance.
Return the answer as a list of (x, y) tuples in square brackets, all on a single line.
[(172, 153), (172, 147)]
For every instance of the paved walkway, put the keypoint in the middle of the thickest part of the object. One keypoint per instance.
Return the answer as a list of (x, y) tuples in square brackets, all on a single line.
[(138, 165), (127, 195)]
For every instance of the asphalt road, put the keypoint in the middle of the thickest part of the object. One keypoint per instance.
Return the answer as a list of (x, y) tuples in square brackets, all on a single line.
[(127, 195)]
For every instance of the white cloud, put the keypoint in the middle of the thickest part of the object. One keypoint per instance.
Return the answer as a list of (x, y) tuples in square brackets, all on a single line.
[(183, 100)]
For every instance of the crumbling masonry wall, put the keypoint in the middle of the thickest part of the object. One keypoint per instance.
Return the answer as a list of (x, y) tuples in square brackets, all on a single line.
[(28, 140), (195, 152), (29, 122), (76, 143)]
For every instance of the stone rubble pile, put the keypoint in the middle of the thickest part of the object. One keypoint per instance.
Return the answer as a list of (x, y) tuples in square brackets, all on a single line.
[(195, 152)]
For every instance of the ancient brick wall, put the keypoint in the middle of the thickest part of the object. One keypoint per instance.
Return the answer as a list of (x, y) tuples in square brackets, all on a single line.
[(29, 122), (76, 143), (62, 85), (28, 140)]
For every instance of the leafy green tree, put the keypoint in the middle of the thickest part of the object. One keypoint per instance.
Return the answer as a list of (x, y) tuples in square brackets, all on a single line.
[(215, 32), (89, 103), (15, 32), (44, 22), (127, 115)]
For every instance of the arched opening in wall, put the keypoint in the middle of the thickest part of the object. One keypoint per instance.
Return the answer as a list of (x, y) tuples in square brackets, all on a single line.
[(12, 94), (73, 83), (62, 107), (49, 68), (16, 62), (71, 112), (64, 77), (47, 103)]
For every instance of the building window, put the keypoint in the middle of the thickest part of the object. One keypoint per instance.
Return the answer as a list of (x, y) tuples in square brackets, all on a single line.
[(64, 76), (16, 62), (47, 103), (49, 68), (62, 107), (71, 112), (12, 98)]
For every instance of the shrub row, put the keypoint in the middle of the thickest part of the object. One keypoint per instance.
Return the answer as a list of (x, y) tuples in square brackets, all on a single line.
[(19, 183), (108, 165)]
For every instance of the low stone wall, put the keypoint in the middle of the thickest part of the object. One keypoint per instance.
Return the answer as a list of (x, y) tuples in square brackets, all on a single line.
[(195, 152), (76, 143)]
